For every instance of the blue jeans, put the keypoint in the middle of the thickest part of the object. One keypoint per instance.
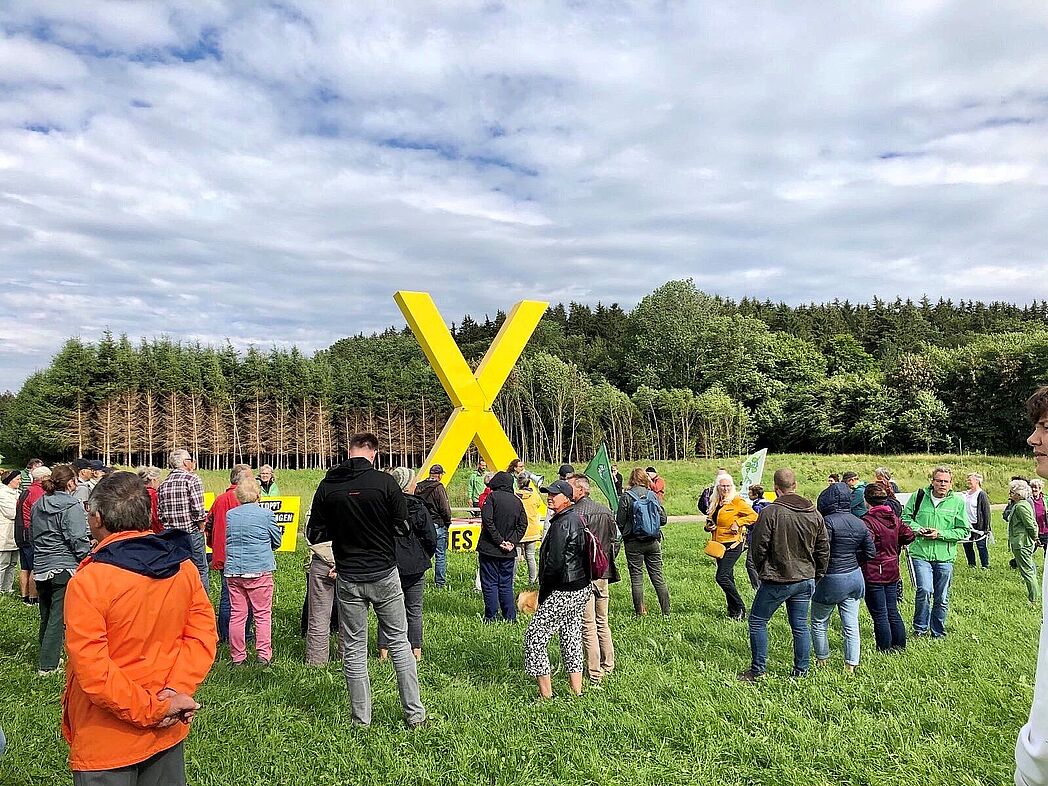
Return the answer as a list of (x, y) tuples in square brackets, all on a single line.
[(932, 598), (841, 591), (440, 559), (882, 600), (496, 582), (769, 597), (199, 556), (223, 615)]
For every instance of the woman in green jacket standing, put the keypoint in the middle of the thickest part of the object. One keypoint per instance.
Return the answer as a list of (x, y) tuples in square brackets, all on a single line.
[(1022, 534)]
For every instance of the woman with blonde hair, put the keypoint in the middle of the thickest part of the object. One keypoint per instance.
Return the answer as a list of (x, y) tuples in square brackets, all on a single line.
[(729, 516), (252, 535), (640, 512)]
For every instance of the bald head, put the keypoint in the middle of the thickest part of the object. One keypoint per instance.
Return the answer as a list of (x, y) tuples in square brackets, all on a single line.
[(785, 481)]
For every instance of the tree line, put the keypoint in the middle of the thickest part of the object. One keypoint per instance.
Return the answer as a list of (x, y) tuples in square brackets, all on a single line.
[(683, 374)]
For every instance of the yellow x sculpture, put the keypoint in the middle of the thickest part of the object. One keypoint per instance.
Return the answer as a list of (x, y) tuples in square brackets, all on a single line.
[(472, 395)]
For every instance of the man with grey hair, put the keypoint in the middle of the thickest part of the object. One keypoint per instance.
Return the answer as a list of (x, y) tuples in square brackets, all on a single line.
[(180, 505), (938, 518)]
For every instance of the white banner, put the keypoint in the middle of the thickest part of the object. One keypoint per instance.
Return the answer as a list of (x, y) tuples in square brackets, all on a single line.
[(753, 471)]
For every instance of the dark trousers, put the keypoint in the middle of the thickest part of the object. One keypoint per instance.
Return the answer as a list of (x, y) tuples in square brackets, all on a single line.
[(496, 582), (751, 570), (644, 555), (984, 553), (726, 581), (167, 768), (52, 620), (413, 587), (889, 630)]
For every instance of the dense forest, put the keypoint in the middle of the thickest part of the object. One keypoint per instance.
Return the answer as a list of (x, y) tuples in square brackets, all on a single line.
[(683, 374)]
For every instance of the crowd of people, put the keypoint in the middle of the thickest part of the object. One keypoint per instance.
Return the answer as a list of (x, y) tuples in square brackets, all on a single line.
[(117, 563)]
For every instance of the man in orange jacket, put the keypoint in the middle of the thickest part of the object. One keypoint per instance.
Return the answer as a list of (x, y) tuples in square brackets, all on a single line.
[(140, 635)]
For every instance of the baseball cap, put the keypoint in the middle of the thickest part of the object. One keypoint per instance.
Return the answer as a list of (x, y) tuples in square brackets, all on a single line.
[(565, 470), (436, 469), (96, 464), (849, 476), (559, 487), (81, 463)]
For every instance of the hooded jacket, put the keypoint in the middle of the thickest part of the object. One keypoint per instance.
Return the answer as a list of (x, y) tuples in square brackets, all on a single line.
[(435, 495), (850, 541), (789, 541), (502, 518), (361, 511), (949, 518), (532, 501), (415, 548), (8, 509), (137, 621), (889, 536), (563, 562), (60, 539)]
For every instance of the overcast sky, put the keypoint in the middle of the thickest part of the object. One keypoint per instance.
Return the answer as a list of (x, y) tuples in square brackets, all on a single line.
[(272, 173)]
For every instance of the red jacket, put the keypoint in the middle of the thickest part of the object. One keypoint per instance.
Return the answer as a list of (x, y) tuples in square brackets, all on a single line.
[(137, 621), (154, 519), (215, 526), (889, 536), (36, 491)]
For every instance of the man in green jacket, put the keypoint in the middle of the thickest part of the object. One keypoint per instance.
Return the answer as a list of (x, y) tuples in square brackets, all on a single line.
[(938, 518), (475, 483)]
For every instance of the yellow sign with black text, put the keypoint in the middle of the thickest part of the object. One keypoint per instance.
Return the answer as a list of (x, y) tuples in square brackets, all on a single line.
[(287, 511)]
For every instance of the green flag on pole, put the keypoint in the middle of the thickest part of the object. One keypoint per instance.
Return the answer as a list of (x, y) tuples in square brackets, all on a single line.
[(599, 471)]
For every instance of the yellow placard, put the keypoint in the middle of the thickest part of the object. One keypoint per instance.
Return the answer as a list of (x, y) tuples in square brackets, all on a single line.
[(287, 511), (463, 537), (464, 534)]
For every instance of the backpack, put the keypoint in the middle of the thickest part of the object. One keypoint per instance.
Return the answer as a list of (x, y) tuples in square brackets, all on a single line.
[(598, 559), (646, 519)]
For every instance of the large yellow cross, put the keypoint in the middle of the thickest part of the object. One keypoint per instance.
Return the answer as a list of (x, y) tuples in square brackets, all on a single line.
[(472, 394)]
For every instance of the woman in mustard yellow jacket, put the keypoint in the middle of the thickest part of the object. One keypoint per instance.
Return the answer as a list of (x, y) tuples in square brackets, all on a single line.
[(729, 516)]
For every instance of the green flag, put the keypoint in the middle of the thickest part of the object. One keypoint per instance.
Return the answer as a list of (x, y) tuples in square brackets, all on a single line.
[(599, 471)]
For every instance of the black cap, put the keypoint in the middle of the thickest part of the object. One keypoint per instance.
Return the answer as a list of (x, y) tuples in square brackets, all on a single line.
[(849, 476), (565, 470), (81, 463), (652, 469), (97, 465), (436, 469), (559, 487)]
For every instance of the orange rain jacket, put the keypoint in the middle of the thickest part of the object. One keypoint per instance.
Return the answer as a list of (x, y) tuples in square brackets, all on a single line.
[(137, 621)]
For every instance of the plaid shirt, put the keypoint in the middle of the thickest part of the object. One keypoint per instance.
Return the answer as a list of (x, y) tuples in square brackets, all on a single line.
[(180, 501)]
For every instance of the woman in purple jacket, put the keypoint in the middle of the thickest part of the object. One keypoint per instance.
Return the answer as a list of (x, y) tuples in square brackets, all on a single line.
[(882, 572)]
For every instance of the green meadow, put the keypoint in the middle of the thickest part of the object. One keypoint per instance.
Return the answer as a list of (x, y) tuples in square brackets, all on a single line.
[(943, 712)]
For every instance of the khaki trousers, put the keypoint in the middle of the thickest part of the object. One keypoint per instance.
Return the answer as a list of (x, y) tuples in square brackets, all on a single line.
[(597, 646)]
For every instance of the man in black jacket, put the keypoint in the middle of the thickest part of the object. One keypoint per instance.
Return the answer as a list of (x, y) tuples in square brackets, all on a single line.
[(435, 495), (362, 511), (503, 524), (597, 645), (790, 550)]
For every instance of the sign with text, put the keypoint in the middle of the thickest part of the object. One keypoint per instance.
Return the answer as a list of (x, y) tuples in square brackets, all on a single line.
[(464, 534), (287, 512)]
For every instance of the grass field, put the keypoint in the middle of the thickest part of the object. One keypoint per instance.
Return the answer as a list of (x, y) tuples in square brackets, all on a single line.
[(944, 712)]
